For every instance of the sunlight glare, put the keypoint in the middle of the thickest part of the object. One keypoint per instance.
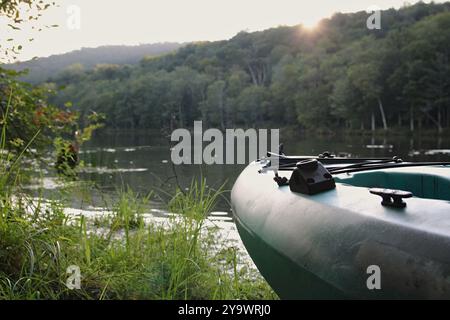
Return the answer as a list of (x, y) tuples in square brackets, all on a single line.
[(310, 24)]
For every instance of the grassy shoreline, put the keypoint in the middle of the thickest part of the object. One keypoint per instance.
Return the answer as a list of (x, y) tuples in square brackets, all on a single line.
[(122, 255)]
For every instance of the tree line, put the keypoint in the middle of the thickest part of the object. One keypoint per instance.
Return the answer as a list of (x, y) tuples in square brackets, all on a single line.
[(338, 75), (40, 69)]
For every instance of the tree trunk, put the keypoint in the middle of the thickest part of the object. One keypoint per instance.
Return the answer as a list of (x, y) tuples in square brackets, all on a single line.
[(252, 74), (439, 120), (222, 109), (436, 122), (180, 114), (372, 121), (448, 116), (411, 119), (383, 115), (258, 72)]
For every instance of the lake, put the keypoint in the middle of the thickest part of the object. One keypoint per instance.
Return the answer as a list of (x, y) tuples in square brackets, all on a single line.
[(141, 160)]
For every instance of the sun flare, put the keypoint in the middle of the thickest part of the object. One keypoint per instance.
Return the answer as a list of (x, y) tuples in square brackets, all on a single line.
[(310, 24)]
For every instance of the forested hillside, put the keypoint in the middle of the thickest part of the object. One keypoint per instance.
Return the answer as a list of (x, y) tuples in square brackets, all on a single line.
[(42, 69), (339, 75)]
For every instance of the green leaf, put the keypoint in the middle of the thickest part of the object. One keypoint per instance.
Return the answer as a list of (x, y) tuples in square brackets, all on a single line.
[(13, 27)]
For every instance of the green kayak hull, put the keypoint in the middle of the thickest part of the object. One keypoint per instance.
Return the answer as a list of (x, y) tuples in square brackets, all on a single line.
[(325, 246)]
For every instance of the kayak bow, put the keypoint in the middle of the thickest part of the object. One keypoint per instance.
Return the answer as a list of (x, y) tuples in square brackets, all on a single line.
[(323, 245)]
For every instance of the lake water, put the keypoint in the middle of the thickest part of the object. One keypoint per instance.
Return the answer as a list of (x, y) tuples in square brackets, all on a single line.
[(141, 160)]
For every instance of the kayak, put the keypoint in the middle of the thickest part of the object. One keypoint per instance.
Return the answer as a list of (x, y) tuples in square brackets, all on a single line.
[(368, 229)]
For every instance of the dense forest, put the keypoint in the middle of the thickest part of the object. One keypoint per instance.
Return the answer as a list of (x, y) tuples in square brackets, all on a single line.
[(41, 69), (338, 75)]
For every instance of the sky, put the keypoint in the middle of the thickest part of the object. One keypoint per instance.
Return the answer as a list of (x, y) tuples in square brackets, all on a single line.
[(92, 23)]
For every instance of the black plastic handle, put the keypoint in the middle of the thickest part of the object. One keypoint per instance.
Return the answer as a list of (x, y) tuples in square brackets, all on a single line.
[(392, 198)]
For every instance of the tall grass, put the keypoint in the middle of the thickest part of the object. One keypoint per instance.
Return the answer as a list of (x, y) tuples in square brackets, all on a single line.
[(175, 259), (121, 256)]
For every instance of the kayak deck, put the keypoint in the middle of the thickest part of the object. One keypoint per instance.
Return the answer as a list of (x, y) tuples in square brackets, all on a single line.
[(321, 246), (423, 182)]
